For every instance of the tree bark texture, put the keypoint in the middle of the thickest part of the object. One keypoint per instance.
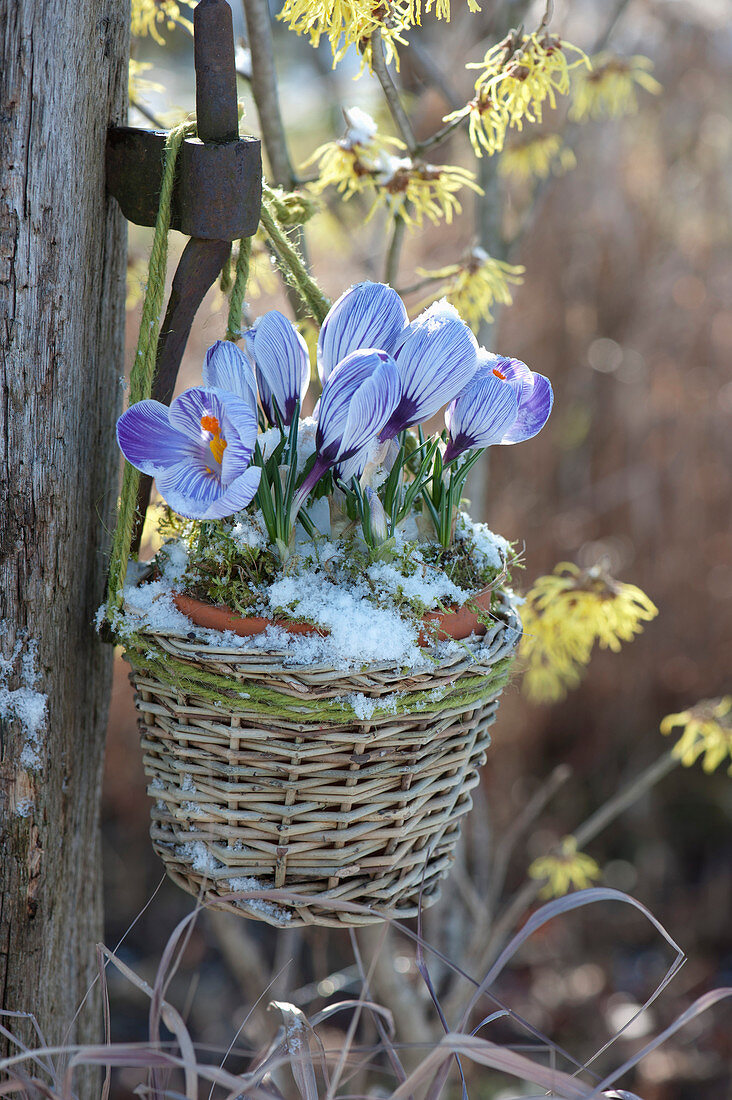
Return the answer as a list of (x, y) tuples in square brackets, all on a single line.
[(63, 75)]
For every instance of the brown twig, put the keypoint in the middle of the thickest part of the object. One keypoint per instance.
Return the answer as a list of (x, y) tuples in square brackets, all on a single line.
[(391, 93), (266, 95)]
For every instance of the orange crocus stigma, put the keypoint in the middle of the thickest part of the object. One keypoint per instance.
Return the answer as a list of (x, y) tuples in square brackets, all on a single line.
[(498, 374), (217, 444)]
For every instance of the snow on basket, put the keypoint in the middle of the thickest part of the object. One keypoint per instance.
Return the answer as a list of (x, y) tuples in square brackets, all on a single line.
[(320, 644)]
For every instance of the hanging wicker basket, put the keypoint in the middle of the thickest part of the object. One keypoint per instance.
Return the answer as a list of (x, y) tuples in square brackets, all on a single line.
[(264, 772)]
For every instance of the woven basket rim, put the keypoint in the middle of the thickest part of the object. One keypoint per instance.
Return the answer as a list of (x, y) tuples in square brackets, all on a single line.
[(506, 619)]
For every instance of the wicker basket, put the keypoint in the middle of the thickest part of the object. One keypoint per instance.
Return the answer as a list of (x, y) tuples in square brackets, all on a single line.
[(341, 808)]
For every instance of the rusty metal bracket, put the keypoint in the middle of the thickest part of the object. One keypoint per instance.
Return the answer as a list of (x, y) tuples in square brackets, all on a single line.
[(217, 195), (217, 190)]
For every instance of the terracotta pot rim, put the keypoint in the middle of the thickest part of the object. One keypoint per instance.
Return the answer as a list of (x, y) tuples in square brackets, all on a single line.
[(459, 622)]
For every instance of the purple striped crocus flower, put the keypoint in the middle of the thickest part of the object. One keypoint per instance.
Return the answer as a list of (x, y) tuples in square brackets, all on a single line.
[(369, 315), (227, 368), (504, 402), (436, 356), (198, 450), (281, 360), (358, 397)]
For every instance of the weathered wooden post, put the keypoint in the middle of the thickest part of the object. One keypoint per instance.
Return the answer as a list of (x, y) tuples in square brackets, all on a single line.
[(62, 268), (63, 81)]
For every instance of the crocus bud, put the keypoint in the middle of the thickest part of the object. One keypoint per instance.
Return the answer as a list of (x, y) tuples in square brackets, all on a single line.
[(282, 363), (378, 521)]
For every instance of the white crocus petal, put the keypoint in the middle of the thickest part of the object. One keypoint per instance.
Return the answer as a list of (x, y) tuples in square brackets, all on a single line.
[(480, 415), (371, 405), (357, 399), (368, 315), (236, 496), (379, 524), (436, 356), (189, 488), (282, 363), (227, 368)]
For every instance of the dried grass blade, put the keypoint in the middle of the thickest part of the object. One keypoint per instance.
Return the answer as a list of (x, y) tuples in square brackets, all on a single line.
[(506, 1061), (700, 1005), (297, 1029), (548, 912)]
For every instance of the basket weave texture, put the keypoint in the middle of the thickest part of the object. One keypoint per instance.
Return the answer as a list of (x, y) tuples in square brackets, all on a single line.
[(327, 807)]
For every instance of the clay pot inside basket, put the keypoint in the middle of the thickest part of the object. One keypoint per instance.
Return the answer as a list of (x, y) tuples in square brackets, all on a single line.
[(457, 624)]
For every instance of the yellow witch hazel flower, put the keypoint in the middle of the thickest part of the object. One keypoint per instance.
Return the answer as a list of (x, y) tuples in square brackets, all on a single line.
[(609, 90), (347, 23), (147, 16), (516, 78), (537, 158), (565, 870), (361, 161), (706, 731), (415, 190), (351, 163), (474, 285), (138, 85), (441, 9), (565, 614)]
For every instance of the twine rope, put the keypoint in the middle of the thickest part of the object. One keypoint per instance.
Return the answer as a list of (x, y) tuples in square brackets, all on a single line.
[(143, 367), (289, 259), (239, 289)]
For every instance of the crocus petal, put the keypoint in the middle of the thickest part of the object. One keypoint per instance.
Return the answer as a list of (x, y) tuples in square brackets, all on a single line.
[(533, 413), (369, 315), (353, 466), (480, 415), (187, 411), (358, 398), (436, 356), (282, 363), (513, 370), (226, 367), (379, 523), (189, 488), (236, 495), (147, 439), (239, 429)]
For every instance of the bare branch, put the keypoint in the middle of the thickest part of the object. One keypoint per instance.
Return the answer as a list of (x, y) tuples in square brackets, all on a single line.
[(266, 96), (391, 93)]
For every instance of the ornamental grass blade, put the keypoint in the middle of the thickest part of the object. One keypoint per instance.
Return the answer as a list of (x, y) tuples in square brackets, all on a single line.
[(485, 1053), (161, 1010), (701, 1004), (47, 1065), (297, 1042), (548, 912)]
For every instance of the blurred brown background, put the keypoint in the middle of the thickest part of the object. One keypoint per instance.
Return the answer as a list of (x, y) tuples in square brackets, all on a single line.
[(627, 307)]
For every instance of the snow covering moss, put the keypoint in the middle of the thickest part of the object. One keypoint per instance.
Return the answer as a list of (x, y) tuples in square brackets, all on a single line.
[(367, 605)]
